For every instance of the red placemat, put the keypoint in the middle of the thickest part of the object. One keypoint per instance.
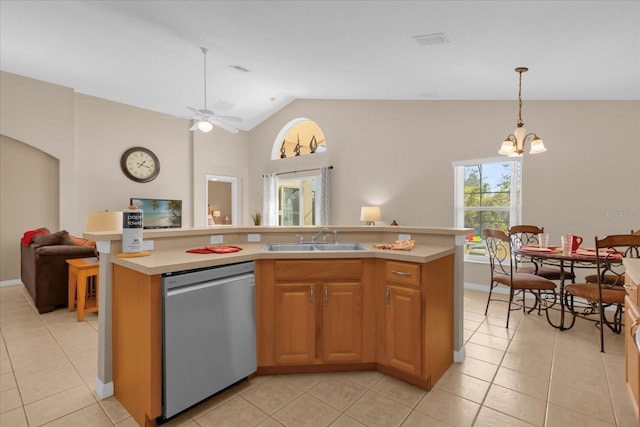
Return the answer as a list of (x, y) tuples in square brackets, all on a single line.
[(221, 249)]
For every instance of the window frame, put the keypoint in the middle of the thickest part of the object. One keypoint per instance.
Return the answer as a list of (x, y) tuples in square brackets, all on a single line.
[(515, 196)]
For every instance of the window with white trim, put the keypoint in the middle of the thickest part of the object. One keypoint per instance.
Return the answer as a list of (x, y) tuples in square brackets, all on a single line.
[(487, 194)]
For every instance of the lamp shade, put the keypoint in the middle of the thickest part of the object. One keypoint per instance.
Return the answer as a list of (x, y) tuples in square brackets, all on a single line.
[(216, 214), (370, 214), (506, 148), (537, 146), (104, 221)]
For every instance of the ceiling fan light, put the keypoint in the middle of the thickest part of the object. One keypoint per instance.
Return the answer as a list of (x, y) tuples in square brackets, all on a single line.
[(537, 146), (205, 126)]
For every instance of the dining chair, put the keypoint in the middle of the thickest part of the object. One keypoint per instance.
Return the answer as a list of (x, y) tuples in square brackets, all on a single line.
[(503, 271), (608, 291), (611, 279), (522, 235)]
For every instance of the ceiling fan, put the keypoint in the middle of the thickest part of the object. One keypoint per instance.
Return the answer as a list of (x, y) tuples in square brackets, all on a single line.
[(205, 118)]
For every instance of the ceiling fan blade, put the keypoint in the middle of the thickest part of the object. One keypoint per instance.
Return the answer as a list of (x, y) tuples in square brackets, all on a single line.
[(223, 126), (229, 118), (176, 117)]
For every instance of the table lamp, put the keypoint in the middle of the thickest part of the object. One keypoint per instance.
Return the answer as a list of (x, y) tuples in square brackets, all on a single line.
[(370, 214), (104, 221)]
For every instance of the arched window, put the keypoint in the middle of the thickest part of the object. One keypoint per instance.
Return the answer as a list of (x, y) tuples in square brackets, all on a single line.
[(299, 137), (304, 198)]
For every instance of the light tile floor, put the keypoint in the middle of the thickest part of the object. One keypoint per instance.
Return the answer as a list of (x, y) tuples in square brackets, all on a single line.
[(527, 375)]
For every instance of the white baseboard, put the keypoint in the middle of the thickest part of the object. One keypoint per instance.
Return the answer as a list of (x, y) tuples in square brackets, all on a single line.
[(103, 390), (459, 355), (485, 288), (12, 282)]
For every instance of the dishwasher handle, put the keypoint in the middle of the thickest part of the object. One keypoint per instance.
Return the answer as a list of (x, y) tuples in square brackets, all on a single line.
[(216, 282)]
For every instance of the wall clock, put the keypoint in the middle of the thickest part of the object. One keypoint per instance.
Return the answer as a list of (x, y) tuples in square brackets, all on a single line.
[(140, 164)]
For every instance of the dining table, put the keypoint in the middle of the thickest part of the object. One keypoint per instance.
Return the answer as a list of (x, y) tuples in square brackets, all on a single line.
[(567, 263)]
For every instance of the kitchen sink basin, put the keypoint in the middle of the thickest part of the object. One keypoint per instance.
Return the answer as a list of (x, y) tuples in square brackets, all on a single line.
[(288, 247), (340, 247), (306, 247)]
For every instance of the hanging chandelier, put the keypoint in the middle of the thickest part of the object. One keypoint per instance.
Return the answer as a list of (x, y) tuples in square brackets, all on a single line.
[(514, 144)]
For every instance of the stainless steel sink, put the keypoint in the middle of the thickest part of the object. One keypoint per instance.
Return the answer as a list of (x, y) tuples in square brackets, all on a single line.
[(288, 247), (306, 247), (340, 247)]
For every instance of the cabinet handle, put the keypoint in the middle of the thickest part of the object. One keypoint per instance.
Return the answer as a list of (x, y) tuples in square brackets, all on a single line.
[(326, 296), (634, 328), (387, 298), (311, 296), (400, 273)]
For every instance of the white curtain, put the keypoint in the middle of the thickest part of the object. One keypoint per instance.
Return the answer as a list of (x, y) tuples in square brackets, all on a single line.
[(323, 198), (270, 199)]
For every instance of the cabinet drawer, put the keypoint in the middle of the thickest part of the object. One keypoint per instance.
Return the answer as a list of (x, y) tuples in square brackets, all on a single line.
[(632, 288), (404, 273), (307, 270)]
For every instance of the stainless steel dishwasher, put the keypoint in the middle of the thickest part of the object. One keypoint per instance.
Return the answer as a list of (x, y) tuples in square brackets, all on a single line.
[(209, 340)]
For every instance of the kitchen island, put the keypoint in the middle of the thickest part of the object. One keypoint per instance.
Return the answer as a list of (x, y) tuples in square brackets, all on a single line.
[(403, 315)]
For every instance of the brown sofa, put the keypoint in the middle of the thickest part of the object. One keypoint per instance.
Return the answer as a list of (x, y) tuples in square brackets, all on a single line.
[(44, 270)]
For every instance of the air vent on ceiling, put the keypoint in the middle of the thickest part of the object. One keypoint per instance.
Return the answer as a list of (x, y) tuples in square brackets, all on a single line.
[(239, 68), (429, 39)]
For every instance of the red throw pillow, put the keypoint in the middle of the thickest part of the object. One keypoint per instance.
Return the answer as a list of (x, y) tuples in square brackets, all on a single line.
[(28, 236)]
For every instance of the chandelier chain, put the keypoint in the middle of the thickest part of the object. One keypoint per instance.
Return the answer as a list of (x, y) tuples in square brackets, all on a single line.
[(520, 99)]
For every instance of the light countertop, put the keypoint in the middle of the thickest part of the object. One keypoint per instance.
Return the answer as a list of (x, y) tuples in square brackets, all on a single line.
[(170, 260)]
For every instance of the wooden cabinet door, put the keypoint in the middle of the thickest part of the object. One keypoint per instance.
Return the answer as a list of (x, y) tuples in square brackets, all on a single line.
[(294, 323), (342, 322), (403, 328), (632, 358)]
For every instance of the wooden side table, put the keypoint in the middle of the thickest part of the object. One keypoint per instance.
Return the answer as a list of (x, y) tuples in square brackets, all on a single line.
[(83, 272)]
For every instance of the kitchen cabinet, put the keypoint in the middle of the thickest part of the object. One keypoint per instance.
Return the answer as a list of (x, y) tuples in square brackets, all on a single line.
[(415, 315), (312, 312), (137, 343), (631, 321), (403, 329), (294, 323), (342, 322)]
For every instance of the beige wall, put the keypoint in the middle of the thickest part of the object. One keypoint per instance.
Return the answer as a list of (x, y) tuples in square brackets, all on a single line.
[(394, 153), (220, 153), (87, 136), (398, 154), (29, 199)]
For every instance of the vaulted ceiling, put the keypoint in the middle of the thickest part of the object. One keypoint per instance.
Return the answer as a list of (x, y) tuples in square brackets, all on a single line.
[(147, 53)]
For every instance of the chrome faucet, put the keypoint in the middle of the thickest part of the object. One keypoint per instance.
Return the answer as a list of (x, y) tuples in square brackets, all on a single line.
[(320, 233)]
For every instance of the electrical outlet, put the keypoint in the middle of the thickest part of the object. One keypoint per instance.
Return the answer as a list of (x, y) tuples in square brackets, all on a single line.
[(404, 236), (253, 237), (215, 240), (147, 245)]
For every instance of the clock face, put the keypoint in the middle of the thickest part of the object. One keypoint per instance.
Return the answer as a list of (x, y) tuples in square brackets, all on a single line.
[(140, 164)]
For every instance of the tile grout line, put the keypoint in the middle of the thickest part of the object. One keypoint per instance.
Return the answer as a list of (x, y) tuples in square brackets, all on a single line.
[(70, 361)]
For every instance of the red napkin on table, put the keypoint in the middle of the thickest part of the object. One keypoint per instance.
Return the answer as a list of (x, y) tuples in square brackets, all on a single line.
[(221, 249)]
